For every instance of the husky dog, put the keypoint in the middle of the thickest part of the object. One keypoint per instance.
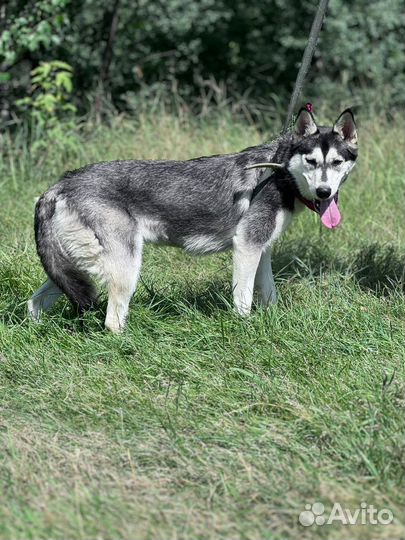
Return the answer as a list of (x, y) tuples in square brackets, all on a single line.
[(94, 222)]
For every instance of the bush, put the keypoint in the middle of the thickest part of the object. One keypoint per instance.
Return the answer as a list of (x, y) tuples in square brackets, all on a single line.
[(197, 49)]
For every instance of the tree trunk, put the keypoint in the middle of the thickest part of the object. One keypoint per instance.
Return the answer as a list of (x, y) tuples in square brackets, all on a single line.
[(107, 57)]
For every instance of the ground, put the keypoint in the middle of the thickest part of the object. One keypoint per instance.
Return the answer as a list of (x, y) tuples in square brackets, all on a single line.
[(196, 423)]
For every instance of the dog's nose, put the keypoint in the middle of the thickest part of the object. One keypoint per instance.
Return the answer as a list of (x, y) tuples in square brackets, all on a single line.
[(323, 192)]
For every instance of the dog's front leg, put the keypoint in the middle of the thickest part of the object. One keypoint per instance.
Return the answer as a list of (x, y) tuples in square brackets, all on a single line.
[(265, 280), (246, 259)]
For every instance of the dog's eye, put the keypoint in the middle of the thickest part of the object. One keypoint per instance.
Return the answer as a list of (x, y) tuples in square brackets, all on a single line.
[(311, 162), (337, 162)]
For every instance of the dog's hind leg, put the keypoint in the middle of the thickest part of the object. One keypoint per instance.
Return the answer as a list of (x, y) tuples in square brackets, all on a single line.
[(122, 273), (265, 280), (43, 299)]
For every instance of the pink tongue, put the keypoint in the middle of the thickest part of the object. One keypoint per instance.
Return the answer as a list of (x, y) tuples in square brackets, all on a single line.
[(330, 215)]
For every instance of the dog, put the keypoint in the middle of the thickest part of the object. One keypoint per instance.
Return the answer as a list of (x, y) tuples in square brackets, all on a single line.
[(94, 222)]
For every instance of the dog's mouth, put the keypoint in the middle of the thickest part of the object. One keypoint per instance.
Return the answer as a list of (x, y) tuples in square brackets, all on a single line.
[(329, 211)]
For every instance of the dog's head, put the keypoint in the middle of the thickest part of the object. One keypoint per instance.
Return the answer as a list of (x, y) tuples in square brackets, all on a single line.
[(321, 160)]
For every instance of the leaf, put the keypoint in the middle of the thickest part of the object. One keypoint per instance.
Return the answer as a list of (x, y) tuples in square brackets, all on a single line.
[(46, 102), (61, 65), (43, 70), (24, 102), (64, 80), (69, 107)]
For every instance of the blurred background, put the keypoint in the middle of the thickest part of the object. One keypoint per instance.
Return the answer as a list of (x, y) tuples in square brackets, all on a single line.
[(93, 57)]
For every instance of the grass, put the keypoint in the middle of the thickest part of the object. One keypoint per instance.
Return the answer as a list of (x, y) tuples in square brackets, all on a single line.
[(196, 423)]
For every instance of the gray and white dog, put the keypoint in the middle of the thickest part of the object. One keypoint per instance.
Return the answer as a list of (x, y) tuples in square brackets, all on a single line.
[(94, 222)]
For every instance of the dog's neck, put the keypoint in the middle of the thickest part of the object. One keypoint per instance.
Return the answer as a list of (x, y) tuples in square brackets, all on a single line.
[(283, 178), (308, 203), (287, 184)]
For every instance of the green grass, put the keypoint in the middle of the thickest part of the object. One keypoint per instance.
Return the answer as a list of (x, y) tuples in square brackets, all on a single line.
[(196, 424)]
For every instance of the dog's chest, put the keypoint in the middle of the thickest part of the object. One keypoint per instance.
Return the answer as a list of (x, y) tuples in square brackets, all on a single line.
[(282, 220)]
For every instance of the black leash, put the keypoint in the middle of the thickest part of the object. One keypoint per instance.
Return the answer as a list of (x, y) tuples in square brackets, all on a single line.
[(301, 76), (306, 60)]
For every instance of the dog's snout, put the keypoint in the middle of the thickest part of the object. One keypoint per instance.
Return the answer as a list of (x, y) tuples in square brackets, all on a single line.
[(323, 192)]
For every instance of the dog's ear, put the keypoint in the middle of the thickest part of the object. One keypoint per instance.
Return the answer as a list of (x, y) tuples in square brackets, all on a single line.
[(345, 126), (305, 124)]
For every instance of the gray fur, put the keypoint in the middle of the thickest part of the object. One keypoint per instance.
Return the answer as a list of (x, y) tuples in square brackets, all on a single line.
[(94, 221)]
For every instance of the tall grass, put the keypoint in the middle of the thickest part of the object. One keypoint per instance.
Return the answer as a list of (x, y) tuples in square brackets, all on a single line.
[(195, 423)]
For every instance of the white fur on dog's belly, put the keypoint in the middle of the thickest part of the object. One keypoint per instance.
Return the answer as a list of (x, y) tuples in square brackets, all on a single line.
[(206, 243), (283, 219), (76, 239), (152, 230)]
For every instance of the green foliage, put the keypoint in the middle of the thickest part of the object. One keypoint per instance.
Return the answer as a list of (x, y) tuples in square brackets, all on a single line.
[(48, 109), (242, 51), (362, 51), (30, 32), (253, 46), (34, 26), (51, 90)]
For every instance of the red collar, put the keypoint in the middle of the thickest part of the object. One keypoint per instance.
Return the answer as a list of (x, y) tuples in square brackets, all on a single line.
[(308, 203)]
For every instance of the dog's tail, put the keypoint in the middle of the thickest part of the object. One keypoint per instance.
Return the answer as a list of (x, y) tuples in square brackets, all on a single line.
[(56, 261)]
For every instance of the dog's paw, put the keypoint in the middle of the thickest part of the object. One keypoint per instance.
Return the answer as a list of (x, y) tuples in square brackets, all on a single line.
[(242, 309), (114, 328), (34, 313)]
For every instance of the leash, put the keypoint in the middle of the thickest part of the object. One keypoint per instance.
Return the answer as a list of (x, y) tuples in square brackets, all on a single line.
[(306, 60), (299, 84)]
